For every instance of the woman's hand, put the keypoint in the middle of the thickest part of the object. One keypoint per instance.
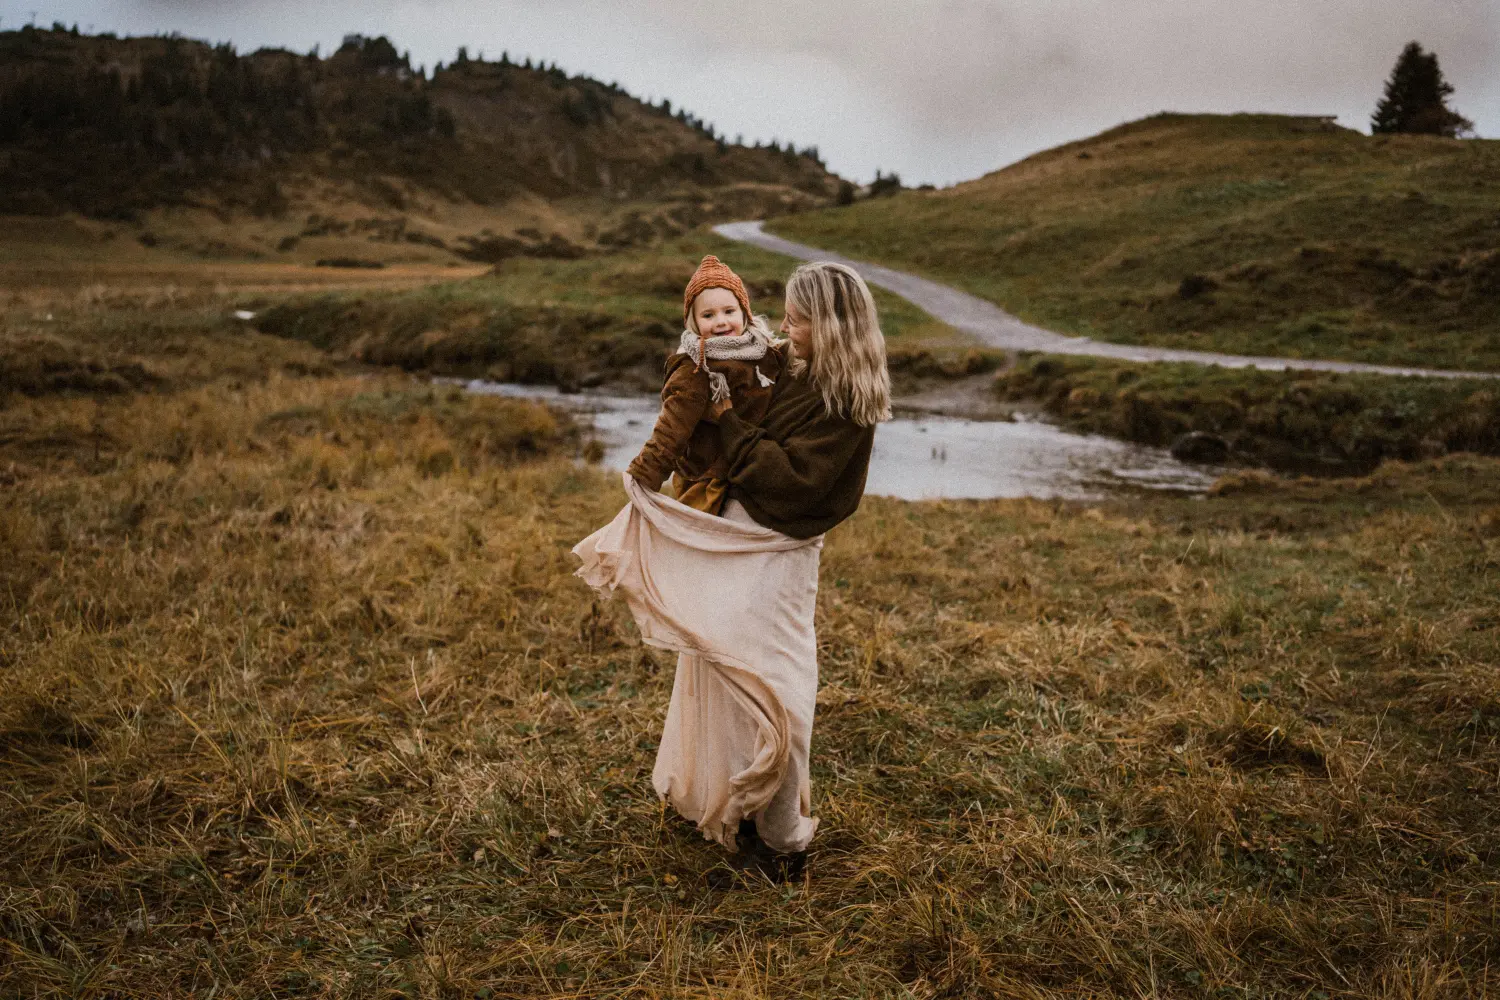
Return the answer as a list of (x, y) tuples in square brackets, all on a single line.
[(717, 410)]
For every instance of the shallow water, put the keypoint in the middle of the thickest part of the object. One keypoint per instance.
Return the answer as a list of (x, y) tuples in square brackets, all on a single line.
[(926, 457)]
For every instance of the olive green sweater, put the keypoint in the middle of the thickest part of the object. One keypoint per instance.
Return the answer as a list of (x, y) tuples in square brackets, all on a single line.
[(799, 470)]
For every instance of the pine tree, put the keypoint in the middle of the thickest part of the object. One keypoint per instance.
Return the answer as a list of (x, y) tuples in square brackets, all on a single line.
[(885, 184), (1416, 99)]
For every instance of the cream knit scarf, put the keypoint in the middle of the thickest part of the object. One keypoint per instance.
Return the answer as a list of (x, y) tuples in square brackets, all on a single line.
[(748, 346)]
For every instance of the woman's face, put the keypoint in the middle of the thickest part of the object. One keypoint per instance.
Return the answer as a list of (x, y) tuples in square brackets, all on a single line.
[(717, 313), (798, 330)]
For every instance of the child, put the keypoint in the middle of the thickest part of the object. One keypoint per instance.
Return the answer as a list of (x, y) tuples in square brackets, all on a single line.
[(725, 353)]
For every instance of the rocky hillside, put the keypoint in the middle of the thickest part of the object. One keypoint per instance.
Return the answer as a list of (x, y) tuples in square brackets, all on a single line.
[(356, 142)]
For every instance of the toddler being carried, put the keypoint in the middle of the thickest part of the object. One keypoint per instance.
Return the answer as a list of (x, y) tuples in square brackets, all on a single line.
[(725, 353)]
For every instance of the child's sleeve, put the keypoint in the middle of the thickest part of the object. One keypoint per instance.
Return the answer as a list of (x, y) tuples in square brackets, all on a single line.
[(684, 398)]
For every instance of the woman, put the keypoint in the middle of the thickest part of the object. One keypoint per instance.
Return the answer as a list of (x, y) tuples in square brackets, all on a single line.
[(735, 595)]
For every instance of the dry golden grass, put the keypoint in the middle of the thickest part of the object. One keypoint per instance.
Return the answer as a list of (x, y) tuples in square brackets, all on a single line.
[(73, 263), (301, 699)]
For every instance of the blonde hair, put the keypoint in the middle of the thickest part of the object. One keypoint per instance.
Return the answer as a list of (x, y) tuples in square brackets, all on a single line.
[(848, 350)]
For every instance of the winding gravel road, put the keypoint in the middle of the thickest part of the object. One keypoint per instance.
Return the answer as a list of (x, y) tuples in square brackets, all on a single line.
[(995, 327)]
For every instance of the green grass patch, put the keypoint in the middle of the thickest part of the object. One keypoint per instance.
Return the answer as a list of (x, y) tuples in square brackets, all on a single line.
[(86, 349), (1250, 234), (1294, 421), (573, 322)]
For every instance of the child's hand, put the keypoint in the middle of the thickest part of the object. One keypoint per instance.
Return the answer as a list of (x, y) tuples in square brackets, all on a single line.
[(717, 410)]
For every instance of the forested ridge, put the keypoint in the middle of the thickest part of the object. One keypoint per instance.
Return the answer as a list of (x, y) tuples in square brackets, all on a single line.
[(109, 126)]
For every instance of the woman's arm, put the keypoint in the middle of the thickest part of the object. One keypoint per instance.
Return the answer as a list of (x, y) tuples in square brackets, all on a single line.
[(683, 400), (789, 476)]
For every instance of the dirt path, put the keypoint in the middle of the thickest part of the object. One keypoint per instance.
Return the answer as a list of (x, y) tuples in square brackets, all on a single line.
[(995, 327)]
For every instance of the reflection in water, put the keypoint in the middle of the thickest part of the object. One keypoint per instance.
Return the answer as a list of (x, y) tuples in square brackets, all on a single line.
[(930, 457)]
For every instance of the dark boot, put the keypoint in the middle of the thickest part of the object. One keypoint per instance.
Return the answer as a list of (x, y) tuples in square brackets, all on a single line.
[(732, 869), (755, 855), (773, 864), (782, 868)]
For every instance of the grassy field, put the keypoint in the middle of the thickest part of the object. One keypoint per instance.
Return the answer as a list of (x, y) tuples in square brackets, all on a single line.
[(580, 322), (301, 699), (123, 319), (1251, 234), (1302, 422), (89, 310)]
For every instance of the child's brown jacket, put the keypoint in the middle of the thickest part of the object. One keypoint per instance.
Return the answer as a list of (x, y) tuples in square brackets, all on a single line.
[(682, 441)]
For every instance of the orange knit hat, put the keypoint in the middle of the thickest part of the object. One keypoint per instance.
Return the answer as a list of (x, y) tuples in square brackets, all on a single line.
[(713, 273)]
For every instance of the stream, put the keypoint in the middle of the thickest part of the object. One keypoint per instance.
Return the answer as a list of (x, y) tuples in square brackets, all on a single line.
[(923, 457)]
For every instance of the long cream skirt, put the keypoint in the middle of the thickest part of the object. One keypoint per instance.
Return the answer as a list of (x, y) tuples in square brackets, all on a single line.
[(735, 600)]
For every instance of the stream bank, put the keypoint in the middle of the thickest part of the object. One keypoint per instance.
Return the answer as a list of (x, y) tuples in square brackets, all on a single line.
[(925, 455)]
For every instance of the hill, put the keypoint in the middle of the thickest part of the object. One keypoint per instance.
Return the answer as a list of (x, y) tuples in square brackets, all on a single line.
[(1255, 234), (360, 155)]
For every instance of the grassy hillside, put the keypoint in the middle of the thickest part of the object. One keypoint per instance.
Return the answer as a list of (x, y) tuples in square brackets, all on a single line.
[(362, 155), (301, 699), (1248, 233)]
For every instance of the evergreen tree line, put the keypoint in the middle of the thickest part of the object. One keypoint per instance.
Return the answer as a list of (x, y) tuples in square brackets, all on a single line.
[(1416, 99), (107, 126), (185, 102), (707, 129), (105, 135)]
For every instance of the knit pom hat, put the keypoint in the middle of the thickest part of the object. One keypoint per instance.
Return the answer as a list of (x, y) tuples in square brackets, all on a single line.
[(714, 273)]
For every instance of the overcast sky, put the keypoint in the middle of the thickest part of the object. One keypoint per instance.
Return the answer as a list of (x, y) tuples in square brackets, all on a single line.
[(940, 91)]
